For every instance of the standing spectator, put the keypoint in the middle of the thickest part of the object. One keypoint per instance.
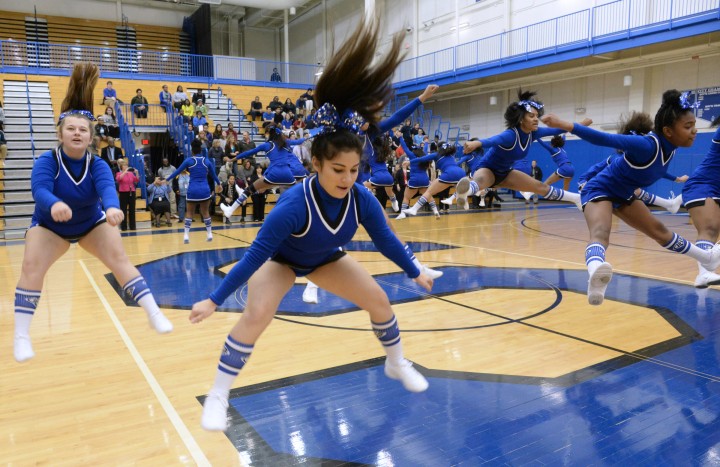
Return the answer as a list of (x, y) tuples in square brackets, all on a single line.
[(127, 179), (232, 150), (183, 183), (275, 77), (201, 107), (255, 108), (268, 117), (187, 111), (289, 107), (165, 98), (109, 95), (164, 172), (275, 104), (536, 173), (401, 178), (111, 153), (139, 104), (179, 98), (198, 96), (258, 199), (231, 130)]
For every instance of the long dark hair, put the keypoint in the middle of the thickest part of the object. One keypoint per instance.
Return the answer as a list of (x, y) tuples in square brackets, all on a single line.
[(381, 146), (79, 95), (275, 134), (515, 112), (638, 123), (670, 110), (352, 81)]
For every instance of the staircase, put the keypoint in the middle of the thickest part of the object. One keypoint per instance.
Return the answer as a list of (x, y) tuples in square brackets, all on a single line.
[(21, 101)]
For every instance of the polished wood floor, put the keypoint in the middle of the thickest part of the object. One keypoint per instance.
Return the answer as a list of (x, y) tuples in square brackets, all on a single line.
[(104, 389)]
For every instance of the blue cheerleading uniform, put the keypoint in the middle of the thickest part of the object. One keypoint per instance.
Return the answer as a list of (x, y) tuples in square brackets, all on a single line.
[(645, 160), (306, 230), (85, 185), (705, 180), (379, 174), (510, 146), (418, 177), (279, 171), (565, 168), (450, 170), (296, 167), (199, 167), (472, 160)]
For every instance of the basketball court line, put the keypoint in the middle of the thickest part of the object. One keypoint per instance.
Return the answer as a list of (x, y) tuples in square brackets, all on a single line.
[(182, 430)]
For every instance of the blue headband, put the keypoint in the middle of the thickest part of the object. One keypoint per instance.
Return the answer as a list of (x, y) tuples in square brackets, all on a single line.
[(82, 113), (684, 104), (329, 120), (529, 104)]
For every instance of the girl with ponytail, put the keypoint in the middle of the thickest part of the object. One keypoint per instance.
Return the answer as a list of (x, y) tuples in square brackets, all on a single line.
[(645, 160), (304, 233), (75, 202)]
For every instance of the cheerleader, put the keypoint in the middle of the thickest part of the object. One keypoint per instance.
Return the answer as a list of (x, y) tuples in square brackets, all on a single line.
[(473, 162), (278, 150), (510, 146), (450, 174), (418, 178), (199, 166), (75, 202), (701, 194), (565, 170), (645, 160), (303, 234)]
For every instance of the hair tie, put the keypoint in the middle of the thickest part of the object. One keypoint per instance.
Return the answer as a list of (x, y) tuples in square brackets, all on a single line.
[(83, 113), (529, 104)]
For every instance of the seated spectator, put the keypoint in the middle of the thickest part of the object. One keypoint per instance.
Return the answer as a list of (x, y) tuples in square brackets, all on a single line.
[(255, 108), (275, 77), (165, 98), (107, 125), (268, 117), (246, 143), (158, 195), (109, 95), (201, 107), (179, 98), (192, 129), (198, 96), (94, 147), (216, 153), (289, 107), (287, 123), (217, 133), (203, 137), (299, 126), (275, 104), (139, 104), (419, 136), (2, 117), (232, 150), (278, 117), (307, 98), (222, 139), (199, 121), (111, 153), (246, 171), (231, 130), (230, 194), (187, 111), (3, 146)]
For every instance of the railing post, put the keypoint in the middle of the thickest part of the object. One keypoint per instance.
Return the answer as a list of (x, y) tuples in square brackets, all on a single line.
[(671, 15)]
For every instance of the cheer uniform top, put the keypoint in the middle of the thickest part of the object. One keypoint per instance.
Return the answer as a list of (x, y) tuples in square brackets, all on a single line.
[(307, 228), (565, 168), (418, 177), (296, 167), (597, 168), (278, 171), (645, 161), (85, 185), (472, 160), (199, 167), (450, 171), (704, 181)]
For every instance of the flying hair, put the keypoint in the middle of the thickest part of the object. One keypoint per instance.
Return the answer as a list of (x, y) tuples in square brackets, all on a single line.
[(80, 90), (638, 123)]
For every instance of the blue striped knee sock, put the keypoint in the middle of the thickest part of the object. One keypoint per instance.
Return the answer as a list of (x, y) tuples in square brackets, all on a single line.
[(645, 197), (26, 302), (232, 359), (594, 252), (388, 333)]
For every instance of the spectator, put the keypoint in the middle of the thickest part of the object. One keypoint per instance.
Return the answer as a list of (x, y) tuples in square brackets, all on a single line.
[(107, 125), (3, 146), (158, 194), (111, 153), (275, 104), (231, 130), (258, 199), (139, 104), (536, 173), (204, 141), (201, 107), (217, 154), (418, 138), (299, 126), (217, 133), (2, 117), (302, 151), (287, 123), (310, 120), (198, 120), (109, 95), (94, 147), (278, 117), (246, 171), (245, 144), (307, 98), (268, 117), (179, 98), (165, 98), (406, 130), (255, 108), (183, 183), (289, 107), (275, 77), (126, 179), (164, 172), (222, 139), (198, 96), (187, 111), (230, 194), (232, 150)]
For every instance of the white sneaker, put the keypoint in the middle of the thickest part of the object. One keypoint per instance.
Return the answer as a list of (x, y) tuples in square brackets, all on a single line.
[(227, 210), (448, 201), (160, 323), (675, 205), (23, 348), (401, 216), (411, 211), (714, 260), (209, 237), (482, 202), (214, 416), (186, 240), (706, 279), (527, 195), (598, 282), (310, 294), (433, 273), (395, 205), (437, 213), (410, 378), (463, 203), (463, 188)]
